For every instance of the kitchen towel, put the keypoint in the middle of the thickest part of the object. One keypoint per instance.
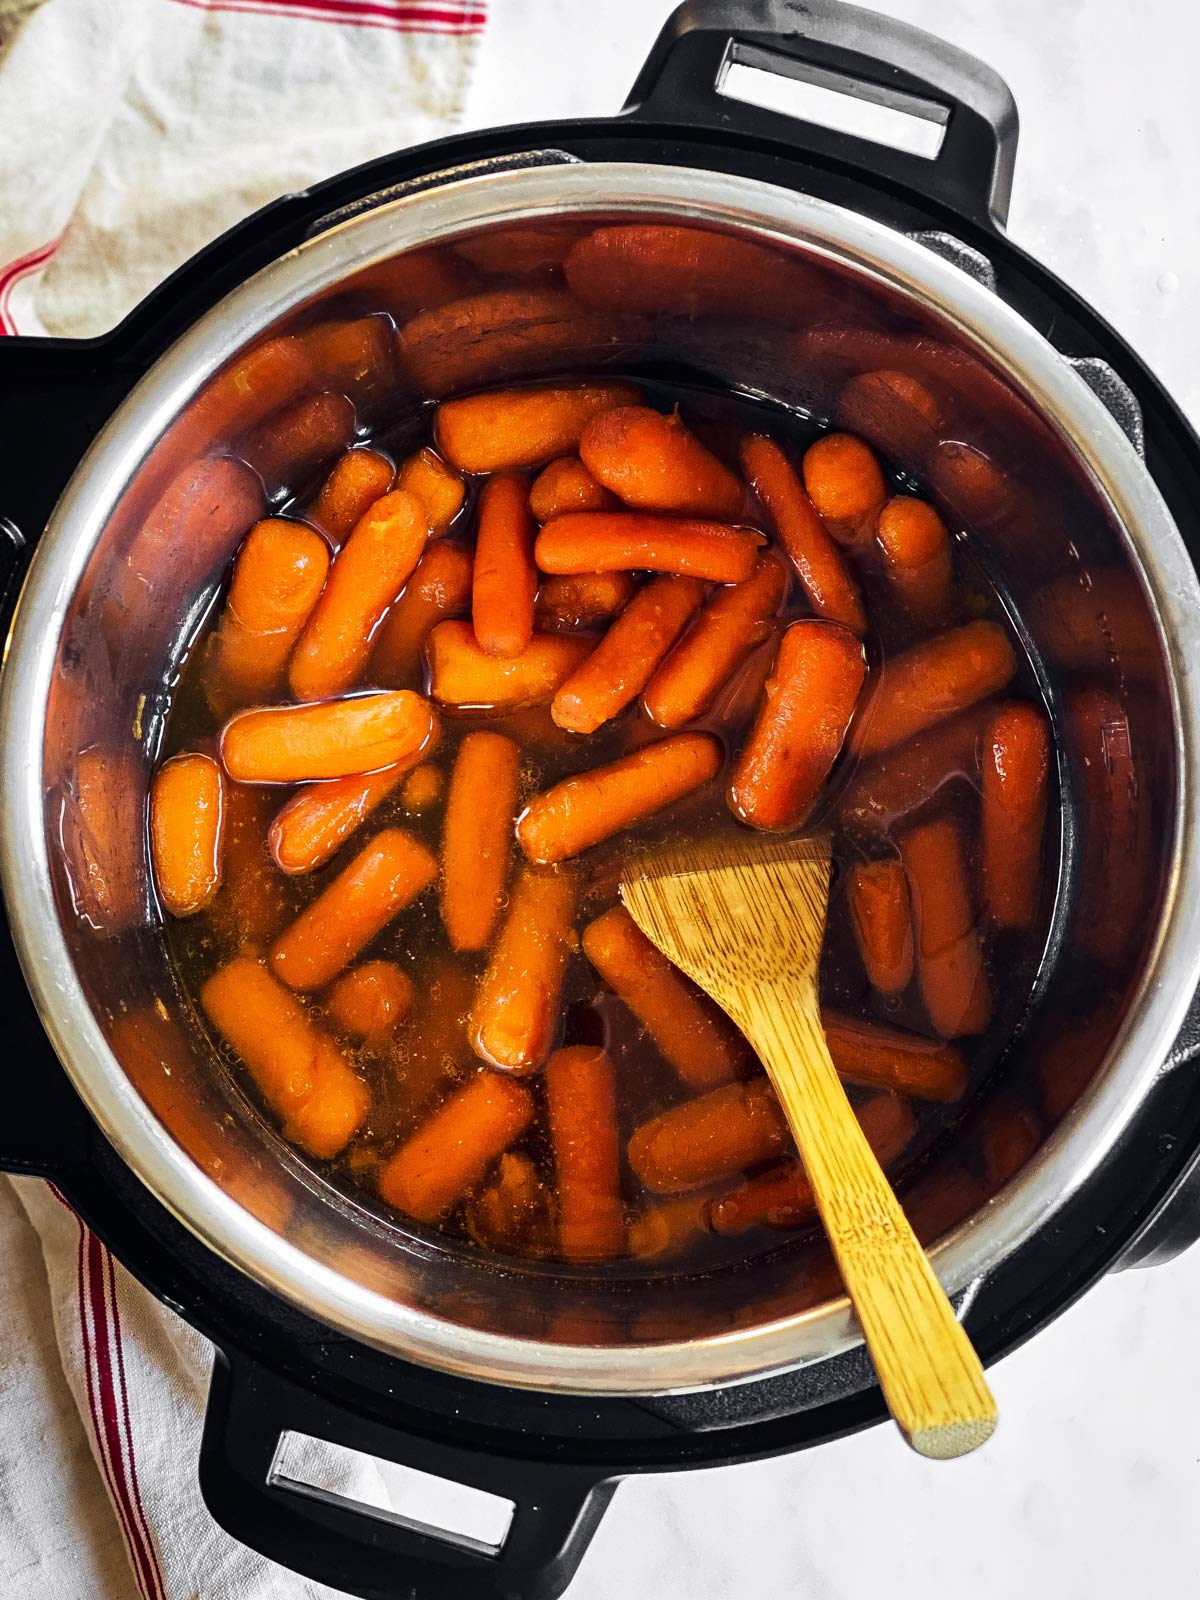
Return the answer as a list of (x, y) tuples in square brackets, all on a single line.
[(131, 133)]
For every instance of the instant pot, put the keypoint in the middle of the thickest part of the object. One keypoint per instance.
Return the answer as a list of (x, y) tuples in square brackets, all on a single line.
[(135, 464)]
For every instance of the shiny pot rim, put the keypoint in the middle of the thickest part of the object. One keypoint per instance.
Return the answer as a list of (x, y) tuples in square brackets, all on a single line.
[(874, 251)]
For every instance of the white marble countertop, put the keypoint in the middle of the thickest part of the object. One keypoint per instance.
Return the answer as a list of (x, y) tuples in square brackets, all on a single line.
[(1090, 1486)]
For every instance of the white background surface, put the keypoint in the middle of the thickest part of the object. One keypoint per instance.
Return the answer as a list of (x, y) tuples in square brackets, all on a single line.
[(1091, 1487)]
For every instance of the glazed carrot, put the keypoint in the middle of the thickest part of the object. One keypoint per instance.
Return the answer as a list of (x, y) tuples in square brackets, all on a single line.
[(950, 971), (477, 837), (251, 905), (810, 698), (714, 1136), (831, 587), (438, 487), (941, 1200), (567, 485), (360, 478), (423, 787), (1011, 1134), (370, 1001), (440, 587), (430, 1049), (299, 1070), (1095, 620), (690, 1032), (656, 463), (969, 483), (516, 1011), (452, 1151), (289, 447), (385, 876), (916, 554), (888, 1058), (881, 917), (277, 580), (578, 600), (187, 805), (893, 411), (257, 383), (620, 666), (845, 485), (413, 281), (932, 680), (314, 824), (1016, 761), (584, 810), (667, 1227), (355, 355), (901, 780), (625, 541), (299, 744), (367, 575), (504, 586), (513, 428), (526, 251), (509, 1214), (464, 676), (581, 1104), (735, 619)]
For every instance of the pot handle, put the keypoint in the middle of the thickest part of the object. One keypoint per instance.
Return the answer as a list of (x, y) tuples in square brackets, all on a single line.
[(859, 53), (381, 1555)]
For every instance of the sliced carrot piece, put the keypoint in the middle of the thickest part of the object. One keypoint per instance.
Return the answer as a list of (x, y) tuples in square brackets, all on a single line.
[(916, 553), (517, 1007), (360, 478), (950, 970), (577, 600), (567, 485), (438, 487), (1016, 766), (656, 463), (620, 666), (589, 808), (464, 676), (581, 1102), (810, 698), (505, 582), (932, 680), (735, 619), (370, 1001), (627, 541), (423, 787), (712, 1137), (901, 780), (385, 876), (298, 1069), (881, 916), (448, 1155), (845, 485), (477, 837), (300, 744), (889, 1058), (187, 818), (516, 428), (367, 575), (314, 824), (439, 588), (689, 1031), (828, 582)]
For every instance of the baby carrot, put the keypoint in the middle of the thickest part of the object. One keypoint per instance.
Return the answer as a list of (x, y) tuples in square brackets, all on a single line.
[(370, 1001), (888, 1058), (845, 485), (581, 1103), (451, 1152), (1095, 619), (251, 906), (578, 600), (438, 487), (477, 837), (505, 582), (1016, 762), (299, 744), (356, 356), (430, 1049), (904, 778), (941, 1200), (932, 680), (422, 788), (509, 1214), (360, 478), (916, 553), (656, 463), (315, 823), (810, 698), (735, 619), (464, 676), (667, 1227), (691, 1033), (367, 574), (529, 250), (567, 485), (831, 587), (440, 587), (385, 876), (299, 1070), (621, 664), (516, 1011), (187, 805), (969, 482), (277, 579), (1011, 1134), (585, 810), (950, 970), (514, 428), (288, 447), (881, 917), (895, 412), (714, 1136), (628, 541)]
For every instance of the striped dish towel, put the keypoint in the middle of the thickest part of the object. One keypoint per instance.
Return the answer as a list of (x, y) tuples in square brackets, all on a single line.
[(131, 133)]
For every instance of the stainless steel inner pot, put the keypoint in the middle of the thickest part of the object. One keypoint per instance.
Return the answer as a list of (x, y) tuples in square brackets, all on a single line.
[(1061, 508)]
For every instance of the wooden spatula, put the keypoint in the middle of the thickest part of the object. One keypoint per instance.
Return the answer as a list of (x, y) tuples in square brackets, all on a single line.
[(746, 921)]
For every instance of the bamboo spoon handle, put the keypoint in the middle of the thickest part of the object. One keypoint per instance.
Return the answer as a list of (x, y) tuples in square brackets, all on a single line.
[(931, 1377)]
